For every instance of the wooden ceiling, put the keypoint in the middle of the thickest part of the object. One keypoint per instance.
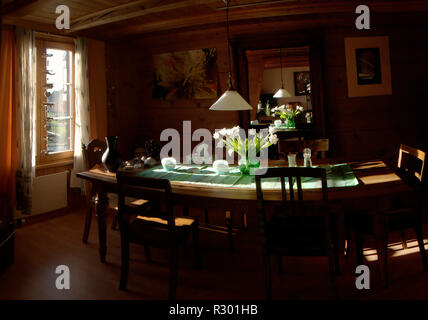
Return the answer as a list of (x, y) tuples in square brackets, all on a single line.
[(290, 57), (109, 19)]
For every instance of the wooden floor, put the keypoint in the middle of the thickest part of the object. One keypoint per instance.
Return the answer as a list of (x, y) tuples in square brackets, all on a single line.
[(42, 246)]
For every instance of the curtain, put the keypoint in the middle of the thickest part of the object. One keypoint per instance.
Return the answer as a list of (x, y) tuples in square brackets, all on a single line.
[(26, 107), (82, 112), (97, 89), (8, 143)]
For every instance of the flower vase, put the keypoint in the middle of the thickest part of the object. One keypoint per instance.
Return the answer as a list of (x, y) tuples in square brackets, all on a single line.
[(111, 157), (246, 167), (291, 123)]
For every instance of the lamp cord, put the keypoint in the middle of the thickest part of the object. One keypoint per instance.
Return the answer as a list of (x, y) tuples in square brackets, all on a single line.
[(228, 45), (280, 64)]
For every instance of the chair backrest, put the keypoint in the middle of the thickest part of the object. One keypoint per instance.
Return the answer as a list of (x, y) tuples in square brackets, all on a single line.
[(157, 191), (411, 162), (93, 153), (307, 222), (318, 147), (293, 174)]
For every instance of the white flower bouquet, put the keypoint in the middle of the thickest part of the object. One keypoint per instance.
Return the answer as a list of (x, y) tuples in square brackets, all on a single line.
[(288, 113), (247, 148)]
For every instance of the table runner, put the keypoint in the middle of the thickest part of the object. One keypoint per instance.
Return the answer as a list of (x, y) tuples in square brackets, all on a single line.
[(338, 175)]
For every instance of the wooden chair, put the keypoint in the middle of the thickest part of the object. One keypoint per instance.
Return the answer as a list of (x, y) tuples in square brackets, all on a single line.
[(298, 227), (318, 147), (156, 226), (400, 216), (92, 154)]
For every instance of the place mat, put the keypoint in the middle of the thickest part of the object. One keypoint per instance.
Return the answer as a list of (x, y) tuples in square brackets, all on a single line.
[(340, 175)]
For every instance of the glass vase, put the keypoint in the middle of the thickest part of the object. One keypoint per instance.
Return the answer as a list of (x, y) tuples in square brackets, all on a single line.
[(291, 123), (247, 167)]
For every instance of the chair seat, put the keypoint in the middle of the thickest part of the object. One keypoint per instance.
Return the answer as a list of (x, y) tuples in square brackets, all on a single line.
[(153, 231), (398, 219), (113, 201), (179, 221)]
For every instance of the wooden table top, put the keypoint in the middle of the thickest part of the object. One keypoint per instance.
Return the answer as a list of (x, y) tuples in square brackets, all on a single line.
[(375, 180)]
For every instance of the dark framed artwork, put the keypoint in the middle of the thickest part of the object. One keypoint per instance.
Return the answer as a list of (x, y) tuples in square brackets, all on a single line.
[(185, 75), (368, 66), (302, 82)]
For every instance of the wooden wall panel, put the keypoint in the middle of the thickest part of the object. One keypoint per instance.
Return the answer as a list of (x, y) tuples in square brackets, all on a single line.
[(375, 126), (357, 127)]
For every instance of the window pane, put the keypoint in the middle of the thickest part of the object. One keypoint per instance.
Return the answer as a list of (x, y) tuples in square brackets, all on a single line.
[(59, 98)]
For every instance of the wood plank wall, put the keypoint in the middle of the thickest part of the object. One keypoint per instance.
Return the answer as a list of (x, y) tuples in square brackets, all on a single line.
[(357, 127)]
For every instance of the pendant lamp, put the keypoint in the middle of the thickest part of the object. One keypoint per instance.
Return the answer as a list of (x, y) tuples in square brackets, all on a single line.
[(281, 93), (231, 100)]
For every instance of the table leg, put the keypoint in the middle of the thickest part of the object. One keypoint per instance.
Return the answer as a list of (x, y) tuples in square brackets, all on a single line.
[(381, 234), (101, 211)]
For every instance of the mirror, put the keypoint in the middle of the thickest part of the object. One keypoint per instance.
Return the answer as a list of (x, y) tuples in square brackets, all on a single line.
[(265, 68)]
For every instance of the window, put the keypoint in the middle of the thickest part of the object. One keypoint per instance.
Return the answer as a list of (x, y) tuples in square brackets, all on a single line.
[(55, 100)]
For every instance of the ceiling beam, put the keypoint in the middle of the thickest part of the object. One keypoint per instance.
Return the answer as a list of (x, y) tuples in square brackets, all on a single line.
[(129, 11), (266, 11), (42, 27), (21, 8)]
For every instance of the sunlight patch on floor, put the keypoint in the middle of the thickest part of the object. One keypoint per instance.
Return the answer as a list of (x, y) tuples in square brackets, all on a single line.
[(412, 247)]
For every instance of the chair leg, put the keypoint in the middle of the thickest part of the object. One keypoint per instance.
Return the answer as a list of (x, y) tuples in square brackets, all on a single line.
[(114, 222), (243, 220), (125, 264), (88, 219), (173, 272), (268, 277), (206, 217), (229, 230), (347, 236), (381, 235), (359, 243), (419, 236), (403, 238), (196, 245)]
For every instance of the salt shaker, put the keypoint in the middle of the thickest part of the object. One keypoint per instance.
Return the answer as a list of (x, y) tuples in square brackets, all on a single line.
[(307, 157), (292, 160)]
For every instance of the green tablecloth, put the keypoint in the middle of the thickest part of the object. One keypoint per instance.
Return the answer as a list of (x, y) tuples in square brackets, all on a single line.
[(339, 175)]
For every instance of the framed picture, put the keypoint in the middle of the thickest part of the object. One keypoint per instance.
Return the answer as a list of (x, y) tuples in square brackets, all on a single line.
[(302, 83), (185, 75), (368, 66)]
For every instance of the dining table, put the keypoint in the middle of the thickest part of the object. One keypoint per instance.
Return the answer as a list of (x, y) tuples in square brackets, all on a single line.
[(352, 186)]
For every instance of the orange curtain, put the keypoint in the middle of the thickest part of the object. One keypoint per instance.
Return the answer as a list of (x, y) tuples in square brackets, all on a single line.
[(8, 142), (97, 89)]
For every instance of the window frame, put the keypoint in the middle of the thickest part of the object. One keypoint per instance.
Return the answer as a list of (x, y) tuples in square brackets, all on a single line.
[(42, 43)]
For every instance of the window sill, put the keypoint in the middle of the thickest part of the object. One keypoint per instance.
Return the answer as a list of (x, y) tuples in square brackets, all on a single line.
[(55, 164)]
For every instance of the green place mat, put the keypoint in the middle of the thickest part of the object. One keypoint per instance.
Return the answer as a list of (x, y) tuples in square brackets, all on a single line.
[(340, 175)]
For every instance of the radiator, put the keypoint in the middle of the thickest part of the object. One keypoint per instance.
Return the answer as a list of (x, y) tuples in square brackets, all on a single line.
[(49, 193)]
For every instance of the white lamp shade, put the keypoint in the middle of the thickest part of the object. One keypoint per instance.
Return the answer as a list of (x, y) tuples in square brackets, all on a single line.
[(231, 100), (282, 93)]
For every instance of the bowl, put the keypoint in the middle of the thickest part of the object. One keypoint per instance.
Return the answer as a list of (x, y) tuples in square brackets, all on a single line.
[(221, 166), (277, 123), (169, 164)]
